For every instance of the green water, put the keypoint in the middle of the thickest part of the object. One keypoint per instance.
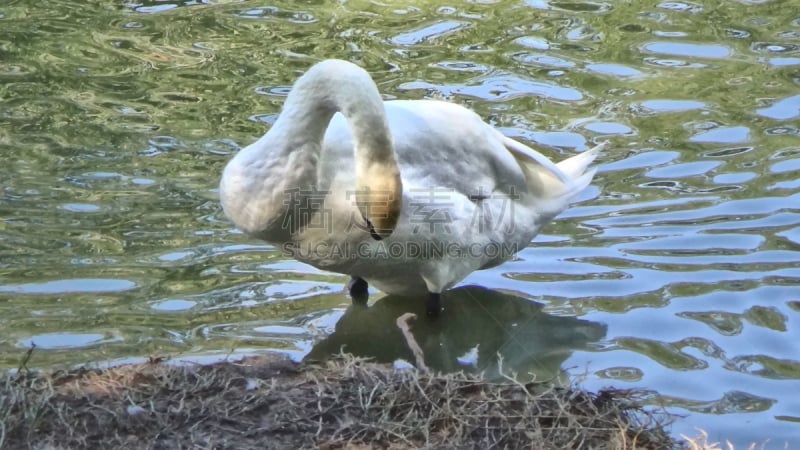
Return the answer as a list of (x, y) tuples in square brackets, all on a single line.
[(677, 272)]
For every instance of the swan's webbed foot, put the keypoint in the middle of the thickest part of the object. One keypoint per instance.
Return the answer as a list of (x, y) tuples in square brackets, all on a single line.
[(433, 305), (359, 290)]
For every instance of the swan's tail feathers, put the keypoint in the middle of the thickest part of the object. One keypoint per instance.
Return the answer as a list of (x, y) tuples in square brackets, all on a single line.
[(576, 166), (550, 181)]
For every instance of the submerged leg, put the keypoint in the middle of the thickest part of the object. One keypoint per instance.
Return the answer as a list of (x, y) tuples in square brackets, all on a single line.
[(358, 288), (433, 305)]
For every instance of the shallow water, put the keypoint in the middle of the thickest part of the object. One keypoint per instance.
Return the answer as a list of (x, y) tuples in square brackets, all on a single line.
[(677, 272)]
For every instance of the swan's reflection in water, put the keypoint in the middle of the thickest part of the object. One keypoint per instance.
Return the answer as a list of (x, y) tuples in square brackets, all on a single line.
[(529, 340)]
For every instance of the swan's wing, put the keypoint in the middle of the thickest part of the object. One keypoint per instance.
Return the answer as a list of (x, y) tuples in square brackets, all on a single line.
[(444, 144)]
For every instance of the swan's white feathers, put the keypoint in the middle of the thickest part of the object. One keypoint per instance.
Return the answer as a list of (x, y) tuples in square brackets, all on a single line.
[(489, 189)]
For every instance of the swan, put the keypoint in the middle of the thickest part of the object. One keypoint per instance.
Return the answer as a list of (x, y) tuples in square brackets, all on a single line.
[(409, 196)]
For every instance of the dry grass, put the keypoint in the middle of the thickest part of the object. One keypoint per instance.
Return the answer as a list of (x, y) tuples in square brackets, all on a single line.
[(270, 402)]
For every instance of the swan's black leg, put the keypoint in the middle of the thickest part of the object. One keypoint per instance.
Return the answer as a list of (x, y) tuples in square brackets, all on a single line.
[(358, 288), (433, 305)]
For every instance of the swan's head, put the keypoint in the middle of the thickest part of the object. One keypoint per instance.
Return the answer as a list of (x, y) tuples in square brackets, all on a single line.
[(379, 197)]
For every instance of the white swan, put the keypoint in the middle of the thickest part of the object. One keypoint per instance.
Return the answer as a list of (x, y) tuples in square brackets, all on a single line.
[(409, 196)]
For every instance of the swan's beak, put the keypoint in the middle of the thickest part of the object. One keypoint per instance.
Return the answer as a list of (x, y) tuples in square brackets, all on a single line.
[(381, 215), (380, 201)]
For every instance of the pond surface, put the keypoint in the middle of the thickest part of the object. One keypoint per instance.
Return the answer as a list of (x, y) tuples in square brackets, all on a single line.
[(677, 272)]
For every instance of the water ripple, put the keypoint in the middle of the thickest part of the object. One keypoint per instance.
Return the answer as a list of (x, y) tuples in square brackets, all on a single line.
[(785, 109), (429, 32), (499, 88), (78, 285), (711, 51)]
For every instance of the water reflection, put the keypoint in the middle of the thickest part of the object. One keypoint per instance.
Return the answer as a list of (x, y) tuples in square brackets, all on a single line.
[(477, 326)]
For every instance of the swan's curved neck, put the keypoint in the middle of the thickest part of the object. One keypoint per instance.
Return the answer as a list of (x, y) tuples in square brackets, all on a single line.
[(255, 183), (337, 86)]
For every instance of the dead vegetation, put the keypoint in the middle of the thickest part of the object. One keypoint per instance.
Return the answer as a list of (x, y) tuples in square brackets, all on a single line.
[(271, 402)]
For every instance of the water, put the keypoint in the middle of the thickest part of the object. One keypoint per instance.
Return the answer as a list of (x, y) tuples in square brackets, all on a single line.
[(677, 272)]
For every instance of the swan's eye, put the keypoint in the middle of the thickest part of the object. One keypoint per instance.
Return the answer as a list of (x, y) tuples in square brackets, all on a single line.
[(371, 229)]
